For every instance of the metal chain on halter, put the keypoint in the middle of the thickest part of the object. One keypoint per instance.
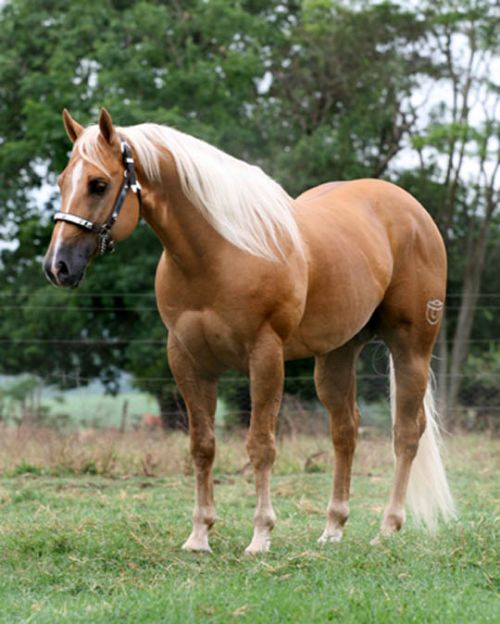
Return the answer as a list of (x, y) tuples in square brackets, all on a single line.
[(105, 243)]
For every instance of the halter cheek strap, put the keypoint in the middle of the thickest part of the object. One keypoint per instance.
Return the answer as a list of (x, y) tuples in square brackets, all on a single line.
[(105, 242)]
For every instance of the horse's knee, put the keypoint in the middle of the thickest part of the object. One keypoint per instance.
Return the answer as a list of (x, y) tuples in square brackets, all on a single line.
[(203, 450), (261, 449)]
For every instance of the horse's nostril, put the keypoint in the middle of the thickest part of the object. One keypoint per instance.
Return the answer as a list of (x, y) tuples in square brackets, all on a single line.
[(62, 268)]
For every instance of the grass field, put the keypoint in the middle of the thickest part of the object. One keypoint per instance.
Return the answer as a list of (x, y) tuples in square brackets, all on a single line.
[(77, 547), (92, 409)]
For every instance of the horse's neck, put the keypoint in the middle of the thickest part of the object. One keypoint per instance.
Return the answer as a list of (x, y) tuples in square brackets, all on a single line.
[(185, 234)]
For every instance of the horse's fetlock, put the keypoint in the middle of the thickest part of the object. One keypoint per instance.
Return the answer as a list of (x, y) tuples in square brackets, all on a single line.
[(265, 520), (338, 512), (204, 515), (393, 521)]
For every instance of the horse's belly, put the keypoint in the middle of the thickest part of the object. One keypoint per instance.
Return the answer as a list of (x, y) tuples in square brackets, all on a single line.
[(326, 328), (350, 270), (340, 302)]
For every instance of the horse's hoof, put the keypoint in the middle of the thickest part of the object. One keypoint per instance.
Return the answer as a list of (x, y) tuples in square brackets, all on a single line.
[(197, 545), (258, 547), (331, 536)]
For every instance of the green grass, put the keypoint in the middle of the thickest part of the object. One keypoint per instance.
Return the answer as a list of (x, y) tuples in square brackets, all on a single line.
[(94, 549)]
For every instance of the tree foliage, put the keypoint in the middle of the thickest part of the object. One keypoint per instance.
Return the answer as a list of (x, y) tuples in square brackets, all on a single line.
[(311, 90)]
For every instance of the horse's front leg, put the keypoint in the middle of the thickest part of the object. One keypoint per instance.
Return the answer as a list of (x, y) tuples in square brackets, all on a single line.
[(200, 396), (266, 389)]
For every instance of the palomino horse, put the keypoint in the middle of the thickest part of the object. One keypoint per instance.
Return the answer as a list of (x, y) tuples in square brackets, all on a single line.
[(250, 278)]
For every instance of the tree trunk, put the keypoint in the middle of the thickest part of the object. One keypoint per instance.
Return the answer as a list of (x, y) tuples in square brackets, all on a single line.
[(172, 411), (470, 294), (442, 370)]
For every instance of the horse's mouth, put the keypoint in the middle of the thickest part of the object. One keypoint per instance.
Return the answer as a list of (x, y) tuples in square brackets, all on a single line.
[(63, 279)]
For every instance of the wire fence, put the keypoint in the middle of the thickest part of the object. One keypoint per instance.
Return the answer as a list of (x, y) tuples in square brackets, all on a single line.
[(87, 406), (479, 400)]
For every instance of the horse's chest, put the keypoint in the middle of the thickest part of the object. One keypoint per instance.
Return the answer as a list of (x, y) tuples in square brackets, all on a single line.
[(210, 340)]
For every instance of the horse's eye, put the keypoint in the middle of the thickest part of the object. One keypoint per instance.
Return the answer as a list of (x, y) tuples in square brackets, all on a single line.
[(97, 187)]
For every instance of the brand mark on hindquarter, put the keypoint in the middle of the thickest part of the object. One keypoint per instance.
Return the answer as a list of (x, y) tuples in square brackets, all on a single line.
[(434, 311)]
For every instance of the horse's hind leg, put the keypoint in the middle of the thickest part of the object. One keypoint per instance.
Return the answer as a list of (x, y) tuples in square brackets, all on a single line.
[(408, 320), (335, 379), (419, 468), (411, 370)]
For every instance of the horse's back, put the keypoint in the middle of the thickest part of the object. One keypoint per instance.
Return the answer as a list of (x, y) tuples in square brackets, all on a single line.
[(372, 208)]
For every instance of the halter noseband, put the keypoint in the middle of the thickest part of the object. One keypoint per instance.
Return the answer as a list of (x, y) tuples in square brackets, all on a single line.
[(103, 230)]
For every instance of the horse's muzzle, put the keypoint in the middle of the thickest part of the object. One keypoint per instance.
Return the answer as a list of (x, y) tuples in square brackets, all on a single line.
[(61, 275), (67, 268)]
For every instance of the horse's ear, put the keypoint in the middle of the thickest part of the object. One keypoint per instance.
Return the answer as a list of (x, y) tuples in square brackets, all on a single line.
[(73, 128), (106, 127)]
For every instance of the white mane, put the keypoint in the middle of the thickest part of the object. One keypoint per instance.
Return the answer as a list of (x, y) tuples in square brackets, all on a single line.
[(242, 203)]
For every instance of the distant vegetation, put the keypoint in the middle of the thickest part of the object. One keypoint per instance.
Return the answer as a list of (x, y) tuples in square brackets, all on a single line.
[(311, 90)]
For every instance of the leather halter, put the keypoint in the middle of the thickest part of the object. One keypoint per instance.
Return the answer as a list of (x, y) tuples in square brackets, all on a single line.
[(105, 242)]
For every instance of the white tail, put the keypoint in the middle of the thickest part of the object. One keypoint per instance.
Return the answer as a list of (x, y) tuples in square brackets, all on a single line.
[(428, 491)]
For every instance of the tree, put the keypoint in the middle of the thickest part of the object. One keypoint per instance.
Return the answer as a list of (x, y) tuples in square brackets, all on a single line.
[(195, 67), (312, 91), (466, 161), (338, 110)]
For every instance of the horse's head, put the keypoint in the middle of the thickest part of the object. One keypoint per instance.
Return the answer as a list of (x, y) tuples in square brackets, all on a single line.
[(100, 200)]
